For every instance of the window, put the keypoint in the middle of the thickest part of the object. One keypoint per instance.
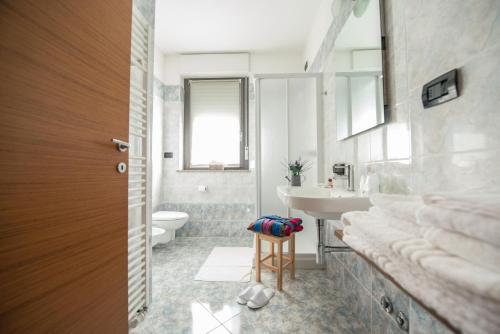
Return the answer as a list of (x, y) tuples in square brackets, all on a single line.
[(216, 123)]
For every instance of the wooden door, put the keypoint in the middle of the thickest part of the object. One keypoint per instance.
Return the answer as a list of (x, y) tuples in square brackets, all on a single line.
[(64, 94)]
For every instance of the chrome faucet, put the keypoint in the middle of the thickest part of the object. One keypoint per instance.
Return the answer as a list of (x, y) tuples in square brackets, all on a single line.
[(350, 177), (345, 171)]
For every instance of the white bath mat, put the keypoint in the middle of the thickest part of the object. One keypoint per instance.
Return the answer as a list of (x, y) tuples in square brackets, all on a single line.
[(227, 264)]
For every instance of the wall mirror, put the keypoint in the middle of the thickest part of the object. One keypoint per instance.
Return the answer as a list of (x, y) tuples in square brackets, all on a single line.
[(359, 84)]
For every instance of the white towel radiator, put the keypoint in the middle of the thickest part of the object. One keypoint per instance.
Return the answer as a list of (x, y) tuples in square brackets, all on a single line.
[(139, 187)]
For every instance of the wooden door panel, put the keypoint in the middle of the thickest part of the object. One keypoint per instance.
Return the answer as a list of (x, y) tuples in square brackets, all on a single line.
[(64, 93)]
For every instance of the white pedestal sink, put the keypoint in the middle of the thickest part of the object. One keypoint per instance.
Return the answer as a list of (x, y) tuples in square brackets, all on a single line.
[(322, 203)]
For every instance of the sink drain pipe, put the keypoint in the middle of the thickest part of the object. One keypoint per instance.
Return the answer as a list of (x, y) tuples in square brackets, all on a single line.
[(321, 248)]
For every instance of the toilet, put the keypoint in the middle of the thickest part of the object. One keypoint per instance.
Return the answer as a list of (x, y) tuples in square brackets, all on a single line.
[(157, 235), (169, 221)]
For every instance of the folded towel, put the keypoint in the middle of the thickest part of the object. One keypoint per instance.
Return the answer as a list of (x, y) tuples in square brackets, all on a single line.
[(417, 250), (374, 229), (481, 227), (471, 249), (467, 312), (451, 268), (276, 225), (401, 206), (483, 204), (389, 257), (294, 225), (391, 220)]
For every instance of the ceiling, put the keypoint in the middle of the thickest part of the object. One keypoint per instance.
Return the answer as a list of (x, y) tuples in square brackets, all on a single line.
[(202, 26)]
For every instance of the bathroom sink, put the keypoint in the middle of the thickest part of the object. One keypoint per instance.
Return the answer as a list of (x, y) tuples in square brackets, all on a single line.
[(320, 202)]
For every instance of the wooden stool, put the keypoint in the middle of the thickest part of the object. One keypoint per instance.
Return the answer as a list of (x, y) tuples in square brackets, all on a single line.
[(269, 260)]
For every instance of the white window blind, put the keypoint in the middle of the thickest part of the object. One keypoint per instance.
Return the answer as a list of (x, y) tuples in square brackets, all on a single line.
[(215, 122)]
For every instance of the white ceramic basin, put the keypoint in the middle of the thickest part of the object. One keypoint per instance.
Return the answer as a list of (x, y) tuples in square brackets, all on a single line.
[(322, 203)]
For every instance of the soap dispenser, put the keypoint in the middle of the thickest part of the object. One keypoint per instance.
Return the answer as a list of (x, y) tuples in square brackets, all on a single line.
[(372, 184), (363, 186)]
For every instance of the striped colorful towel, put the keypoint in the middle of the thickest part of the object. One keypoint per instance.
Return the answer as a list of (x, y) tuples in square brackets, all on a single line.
[(276, 225)]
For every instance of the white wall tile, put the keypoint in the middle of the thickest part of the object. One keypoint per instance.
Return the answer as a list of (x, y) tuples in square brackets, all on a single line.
[(448, 147), (376, 138), (364, 147), (445, 34)]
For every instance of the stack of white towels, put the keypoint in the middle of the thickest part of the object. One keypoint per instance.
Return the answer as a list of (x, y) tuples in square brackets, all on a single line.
[(443, 249)]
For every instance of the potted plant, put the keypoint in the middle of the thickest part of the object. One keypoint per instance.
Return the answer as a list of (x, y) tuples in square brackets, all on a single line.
[(296, 170)]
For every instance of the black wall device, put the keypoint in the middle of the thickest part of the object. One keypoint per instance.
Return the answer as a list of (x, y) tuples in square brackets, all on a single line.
[(168, 155), (440, 90)]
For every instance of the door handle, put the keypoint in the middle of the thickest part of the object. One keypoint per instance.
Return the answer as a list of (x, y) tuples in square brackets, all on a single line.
[(121, 145)]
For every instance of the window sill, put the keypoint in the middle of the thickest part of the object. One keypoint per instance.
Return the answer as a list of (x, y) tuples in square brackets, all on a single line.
[(214, 171)]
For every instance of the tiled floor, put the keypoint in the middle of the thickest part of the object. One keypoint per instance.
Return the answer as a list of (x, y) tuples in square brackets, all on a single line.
[(181, 305)]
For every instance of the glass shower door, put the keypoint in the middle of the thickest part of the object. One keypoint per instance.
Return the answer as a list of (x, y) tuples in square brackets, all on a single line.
[(288, 128)]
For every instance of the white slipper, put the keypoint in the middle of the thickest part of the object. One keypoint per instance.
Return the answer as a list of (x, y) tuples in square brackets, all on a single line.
[(261, 298), (246, 294)]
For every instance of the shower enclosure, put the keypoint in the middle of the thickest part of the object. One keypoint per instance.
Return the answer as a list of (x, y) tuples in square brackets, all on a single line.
[(289, 127)]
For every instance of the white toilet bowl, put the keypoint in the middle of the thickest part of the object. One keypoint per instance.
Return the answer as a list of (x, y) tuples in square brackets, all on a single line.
[(169, 221), (157, 235)]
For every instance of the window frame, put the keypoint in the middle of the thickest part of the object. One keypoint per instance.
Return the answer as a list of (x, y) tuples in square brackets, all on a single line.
[(244, 149)]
